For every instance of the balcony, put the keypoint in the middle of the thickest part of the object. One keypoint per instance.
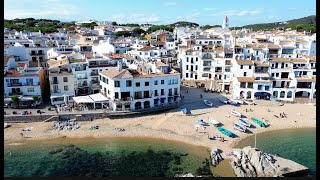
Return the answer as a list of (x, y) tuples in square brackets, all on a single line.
[(14, 84), (80, 69), (54, 82), (95, 82), (94, 73), (138, 97), (36, 54), (82, 78), (56, 91), (15, 93)]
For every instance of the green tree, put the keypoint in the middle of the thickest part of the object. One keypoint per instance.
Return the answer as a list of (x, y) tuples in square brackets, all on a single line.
[(114, 23), (122, 33), (138, 31), (15, 99), (35, 98)]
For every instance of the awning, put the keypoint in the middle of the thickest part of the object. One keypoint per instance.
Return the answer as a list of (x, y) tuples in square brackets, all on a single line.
[(26, 98), (83, 99), (7, 100), (98, 97), (57, 95)]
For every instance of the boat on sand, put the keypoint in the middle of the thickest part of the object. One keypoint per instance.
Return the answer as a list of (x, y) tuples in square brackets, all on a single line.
[(226, 132), (239, 127), (244, 122), (235, 113), (258, 122)]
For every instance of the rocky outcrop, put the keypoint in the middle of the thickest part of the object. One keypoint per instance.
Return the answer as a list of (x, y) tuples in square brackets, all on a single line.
[(215, 156), (251, 162)]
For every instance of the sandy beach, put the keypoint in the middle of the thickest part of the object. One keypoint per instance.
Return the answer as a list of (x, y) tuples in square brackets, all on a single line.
[(173, 125)]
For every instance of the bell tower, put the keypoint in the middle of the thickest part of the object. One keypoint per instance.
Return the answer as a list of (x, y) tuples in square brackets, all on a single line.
[(225, 24)]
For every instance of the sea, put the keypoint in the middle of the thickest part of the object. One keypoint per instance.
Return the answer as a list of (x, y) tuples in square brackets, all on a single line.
[(298, 145), (125, 156), (101, 157)]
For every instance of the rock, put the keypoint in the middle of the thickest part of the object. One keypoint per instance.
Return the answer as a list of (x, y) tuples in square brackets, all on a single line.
[(216, 156), (251, 162)]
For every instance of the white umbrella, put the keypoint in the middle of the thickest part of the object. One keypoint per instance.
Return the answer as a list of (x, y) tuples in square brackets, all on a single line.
[(65, 99)]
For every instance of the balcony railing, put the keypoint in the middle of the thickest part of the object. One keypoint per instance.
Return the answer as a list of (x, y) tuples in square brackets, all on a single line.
[(138, 97), (54, 82), (80, 78), (94, 73), (15, 93), (94, 82), (36, 54), (14, 84), (56, 91)]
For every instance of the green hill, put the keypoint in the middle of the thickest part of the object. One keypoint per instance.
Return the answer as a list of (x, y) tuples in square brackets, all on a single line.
[(302, 24)]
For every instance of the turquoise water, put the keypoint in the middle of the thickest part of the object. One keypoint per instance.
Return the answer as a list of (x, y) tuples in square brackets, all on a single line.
[(298, 145), (103, 157)]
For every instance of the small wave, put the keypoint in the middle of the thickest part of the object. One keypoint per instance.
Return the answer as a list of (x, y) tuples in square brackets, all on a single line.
[(15, 144)]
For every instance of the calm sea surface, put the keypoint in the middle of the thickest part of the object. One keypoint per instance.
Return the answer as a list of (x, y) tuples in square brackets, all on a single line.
[(102, 157), (298, 145)]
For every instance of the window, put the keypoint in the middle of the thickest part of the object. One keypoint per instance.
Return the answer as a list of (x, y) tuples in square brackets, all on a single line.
[(272, 74), (249, 67), (196, 67), (116, 95), (187, 59), (155, 82), (187, 67), (277, 74), (107, 81), (145, 53), (169, 82), (128, 83), (187, 75), (245, 74), (162, 92), (162, 81), (241, 66), (192, 60), (65, 79), (259, 87), (66, 88), (248, 51), (116, 83), (155, 92), (267, 88), (146, 83), (196, 59), (30, 89), (137, 84)]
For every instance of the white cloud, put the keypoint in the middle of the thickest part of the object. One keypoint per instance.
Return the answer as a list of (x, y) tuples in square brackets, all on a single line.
[(238, 13), (51, 9), (135, 18), (167, 4)]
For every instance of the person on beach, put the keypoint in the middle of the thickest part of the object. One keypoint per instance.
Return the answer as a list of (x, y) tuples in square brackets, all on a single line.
[(246, 110), (21, 134)]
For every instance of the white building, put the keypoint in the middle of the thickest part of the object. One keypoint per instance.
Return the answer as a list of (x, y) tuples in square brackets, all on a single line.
[(134, 89)]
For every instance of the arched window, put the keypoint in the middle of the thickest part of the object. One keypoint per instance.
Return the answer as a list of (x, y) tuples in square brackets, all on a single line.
[(275, 93), (282, 94), (289, 94)]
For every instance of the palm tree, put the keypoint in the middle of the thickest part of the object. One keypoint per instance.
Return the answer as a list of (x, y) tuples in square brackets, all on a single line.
[(15, 99)]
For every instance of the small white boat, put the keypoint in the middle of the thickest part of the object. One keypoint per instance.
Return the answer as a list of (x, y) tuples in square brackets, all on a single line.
[(208, 103), (6, 125), (239, 127), (235, 113), (244, 122), (214, 122)]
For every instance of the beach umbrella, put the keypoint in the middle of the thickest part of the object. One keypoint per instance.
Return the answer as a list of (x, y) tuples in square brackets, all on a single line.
[(65, 99), (199, 121)]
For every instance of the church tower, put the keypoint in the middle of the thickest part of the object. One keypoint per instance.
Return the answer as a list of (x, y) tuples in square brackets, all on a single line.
[(225, 24)]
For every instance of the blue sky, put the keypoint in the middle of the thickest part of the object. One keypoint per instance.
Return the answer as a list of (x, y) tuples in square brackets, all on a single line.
[(240, 12)]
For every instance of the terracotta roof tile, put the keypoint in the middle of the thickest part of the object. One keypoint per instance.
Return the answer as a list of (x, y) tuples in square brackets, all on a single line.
[(147, 48)]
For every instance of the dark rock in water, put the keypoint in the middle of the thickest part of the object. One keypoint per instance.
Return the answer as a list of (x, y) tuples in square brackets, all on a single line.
[(216, 157)]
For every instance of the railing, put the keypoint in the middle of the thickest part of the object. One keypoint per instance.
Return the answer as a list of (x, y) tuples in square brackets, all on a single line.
[(138, 97), (80, 78), (95, 82), (79, 69), (56, 91), (54, 82), (14, 84), (15, 93), (250, 86), (260, 71), (36, 54), (94, 73)]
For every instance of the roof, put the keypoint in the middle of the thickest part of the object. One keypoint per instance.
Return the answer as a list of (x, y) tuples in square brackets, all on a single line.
[(273, 46), (312, 79), (20, 65), (299, 60), (261, 64), (16, 73), (56, 63), (245, 79), (127, 56), (115, 73), (244, 62), (159, 63), (147, 48), (98, 97), (279, 59), (6, 60), (288, 47), (311, 58)]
